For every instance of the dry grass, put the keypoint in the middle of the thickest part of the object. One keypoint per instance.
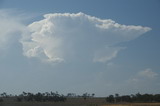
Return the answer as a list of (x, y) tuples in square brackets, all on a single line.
[(76, 102), (134, 104)]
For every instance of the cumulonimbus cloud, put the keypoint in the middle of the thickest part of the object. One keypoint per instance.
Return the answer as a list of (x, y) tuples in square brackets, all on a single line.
[(65, 36)]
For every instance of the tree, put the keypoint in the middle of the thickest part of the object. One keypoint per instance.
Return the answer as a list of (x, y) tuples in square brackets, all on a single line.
[(117, 98), (93, 94), (4, 94), (24, 93), (156, 98), (110, 99), (85, 96), (29, 96), (126, 98), (38, 97)]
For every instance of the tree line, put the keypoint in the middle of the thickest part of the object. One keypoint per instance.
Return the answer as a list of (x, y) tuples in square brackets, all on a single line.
[(39, 97), (43, 97), (133, 98), (56, 97)]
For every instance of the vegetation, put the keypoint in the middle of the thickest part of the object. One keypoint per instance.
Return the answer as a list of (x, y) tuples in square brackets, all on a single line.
[(133, 98), (71, 99), (39, 97)]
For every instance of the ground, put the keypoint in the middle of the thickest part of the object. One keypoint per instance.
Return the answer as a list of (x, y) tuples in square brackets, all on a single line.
[(76, 102)]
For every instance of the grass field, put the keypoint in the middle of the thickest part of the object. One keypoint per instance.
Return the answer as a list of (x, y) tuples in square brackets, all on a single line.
[(75, 102), (134, 104)]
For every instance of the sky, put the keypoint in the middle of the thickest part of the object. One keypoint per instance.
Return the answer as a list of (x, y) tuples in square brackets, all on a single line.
[(78, 46)]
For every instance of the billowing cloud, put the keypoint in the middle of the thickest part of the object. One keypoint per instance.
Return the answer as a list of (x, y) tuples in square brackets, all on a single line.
[(64, 36)]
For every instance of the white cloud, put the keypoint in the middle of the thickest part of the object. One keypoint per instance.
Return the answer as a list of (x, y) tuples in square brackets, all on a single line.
[(106, 54), (146, 78), (62, 36), (143, 76), (147, 73), (9, 25)]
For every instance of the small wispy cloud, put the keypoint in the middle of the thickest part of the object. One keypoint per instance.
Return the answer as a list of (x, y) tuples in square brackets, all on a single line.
[(106, 54), (144, 75), (147, 73), (143, 81)]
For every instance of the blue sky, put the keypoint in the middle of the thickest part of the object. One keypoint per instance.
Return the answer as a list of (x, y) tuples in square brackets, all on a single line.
[(102, 47)]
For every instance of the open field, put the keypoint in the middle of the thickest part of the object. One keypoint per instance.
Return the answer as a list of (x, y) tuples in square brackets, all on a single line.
[(134, 104), (75, 102)]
